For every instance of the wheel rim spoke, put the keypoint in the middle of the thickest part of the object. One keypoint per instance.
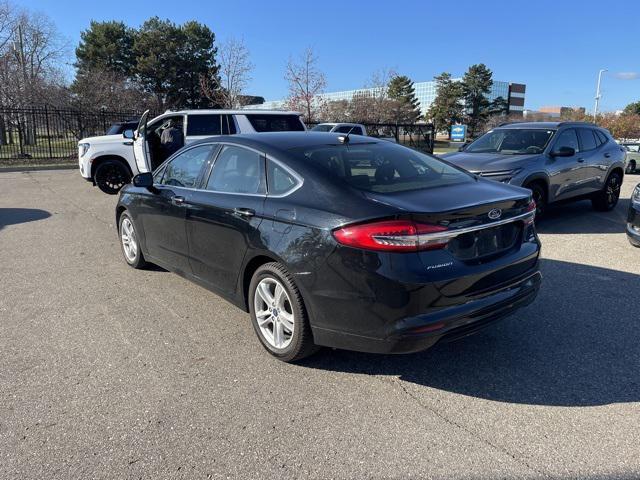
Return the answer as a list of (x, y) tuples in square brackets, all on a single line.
[(287, 320), (265, 293)]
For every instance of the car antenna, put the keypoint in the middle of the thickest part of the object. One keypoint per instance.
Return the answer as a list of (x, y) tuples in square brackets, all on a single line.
[(345, 139)]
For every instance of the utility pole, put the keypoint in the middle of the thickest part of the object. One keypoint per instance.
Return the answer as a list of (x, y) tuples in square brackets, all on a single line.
[(595, 107)]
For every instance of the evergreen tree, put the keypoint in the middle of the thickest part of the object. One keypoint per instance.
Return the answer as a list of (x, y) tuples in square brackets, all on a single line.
[(106, 47), (401, 90), (447, 108), (476, 85)]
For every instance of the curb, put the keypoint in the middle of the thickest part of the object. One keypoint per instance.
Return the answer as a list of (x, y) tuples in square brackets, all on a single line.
[(30, 168)]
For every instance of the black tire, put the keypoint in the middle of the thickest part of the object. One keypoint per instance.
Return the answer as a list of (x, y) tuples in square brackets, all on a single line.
[(301, 340), (111, 176), (607, 198), (631, 167), (539, 194), (137, 260)]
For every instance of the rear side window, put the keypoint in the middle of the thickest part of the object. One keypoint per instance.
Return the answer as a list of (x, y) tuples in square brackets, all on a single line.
[(184, 169), (228, 125), (279, 179), (601, 136), (382, 167), (237, 170), (587, 140), (198, 125), (275, 123)]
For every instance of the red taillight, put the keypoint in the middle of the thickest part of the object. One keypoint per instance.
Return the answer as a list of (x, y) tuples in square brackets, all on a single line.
[(531, 208), (392, 236)]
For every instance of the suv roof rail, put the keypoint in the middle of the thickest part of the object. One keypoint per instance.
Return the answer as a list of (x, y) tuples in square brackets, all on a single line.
[(575, 123), (509, 123)]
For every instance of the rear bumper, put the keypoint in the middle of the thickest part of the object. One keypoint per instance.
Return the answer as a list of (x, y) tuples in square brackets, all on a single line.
[(420, 332)]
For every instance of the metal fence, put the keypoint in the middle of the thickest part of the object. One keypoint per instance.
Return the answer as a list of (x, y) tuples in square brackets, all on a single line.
[(420, 136), (44, 133), (41, 134)]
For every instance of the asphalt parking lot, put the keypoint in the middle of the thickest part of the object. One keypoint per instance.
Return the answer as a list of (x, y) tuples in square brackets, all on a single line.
[(106, 371)]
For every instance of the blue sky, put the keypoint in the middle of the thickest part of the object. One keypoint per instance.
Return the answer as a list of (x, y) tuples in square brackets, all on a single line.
[(555, 47)]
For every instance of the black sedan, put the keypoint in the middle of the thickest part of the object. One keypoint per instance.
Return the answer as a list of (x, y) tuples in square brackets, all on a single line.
[(633, 218), (336, 240)]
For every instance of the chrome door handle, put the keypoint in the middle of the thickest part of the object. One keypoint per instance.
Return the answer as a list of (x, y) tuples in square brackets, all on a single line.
[(177, 200), (607, 155), (245, 212)]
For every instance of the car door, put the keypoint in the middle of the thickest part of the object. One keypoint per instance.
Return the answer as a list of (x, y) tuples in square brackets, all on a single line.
[(565, 173), (224, 217), (164, 209), (593, 160), (140, 145)]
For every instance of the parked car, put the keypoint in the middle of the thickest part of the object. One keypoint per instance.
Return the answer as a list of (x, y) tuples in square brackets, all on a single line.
[(632, 159), (346, 242), (109, 162), (556, 160), (119, 128), (633, 218), (350, 128)]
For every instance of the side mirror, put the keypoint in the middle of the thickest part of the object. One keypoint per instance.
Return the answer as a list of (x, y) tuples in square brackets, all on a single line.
[(129, 134), (563, 152), (144, 180)]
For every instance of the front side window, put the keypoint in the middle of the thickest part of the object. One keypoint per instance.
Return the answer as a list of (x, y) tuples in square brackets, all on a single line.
[(279, 180), (237, 170), (349, 129), (184, 169), (382, 167), (199, 125), (587, 140), (511, 141), (567, 138), (275, 123)]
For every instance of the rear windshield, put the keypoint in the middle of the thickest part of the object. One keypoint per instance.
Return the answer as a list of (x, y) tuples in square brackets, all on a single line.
[(511, 141), (275, 123), (382, 167)]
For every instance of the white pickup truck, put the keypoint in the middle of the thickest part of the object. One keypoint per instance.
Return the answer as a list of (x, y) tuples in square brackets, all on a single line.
[(110, 161)]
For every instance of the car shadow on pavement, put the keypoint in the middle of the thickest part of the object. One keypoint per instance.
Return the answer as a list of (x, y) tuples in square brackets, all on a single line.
[(578, 344), (579, 217), (13, 216)]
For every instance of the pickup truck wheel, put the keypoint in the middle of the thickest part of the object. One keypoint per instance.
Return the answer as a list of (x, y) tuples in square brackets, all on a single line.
[(111, 176), (631, 168), (607, 198)]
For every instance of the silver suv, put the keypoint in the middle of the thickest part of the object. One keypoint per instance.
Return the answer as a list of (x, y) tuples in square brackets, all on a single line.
[(555, 160)]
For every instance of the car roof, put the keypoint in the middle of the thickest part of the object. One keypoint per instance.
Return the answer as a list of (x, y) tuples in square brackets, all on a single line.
[(231, 112), (545, 125), (288, 140)]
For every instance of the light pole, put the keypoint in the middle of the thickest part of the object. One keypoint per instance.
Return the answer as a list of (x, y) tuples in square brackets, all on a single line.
[(595, 108)]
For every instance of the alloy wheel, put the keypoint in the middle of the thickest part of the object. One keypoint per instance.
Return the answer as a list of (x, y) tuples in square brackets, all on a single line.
[(274, 313), (613, 190), (129, 240)]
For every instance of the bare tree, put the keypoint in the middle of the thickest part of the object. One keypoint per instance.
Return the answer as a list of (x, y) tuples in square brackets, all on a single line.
[(228, 88), (306, 82), (31, 51)]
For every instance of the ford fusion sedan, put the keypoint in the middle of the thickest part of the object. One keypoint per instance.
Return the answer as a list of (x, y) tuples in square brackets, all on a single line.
[(557, 161), (336, 240), (633, 218)]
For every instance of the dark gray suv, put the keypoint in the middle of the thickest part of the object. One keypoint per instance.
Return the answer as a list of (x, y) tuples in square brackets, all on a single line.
[(556, 160)]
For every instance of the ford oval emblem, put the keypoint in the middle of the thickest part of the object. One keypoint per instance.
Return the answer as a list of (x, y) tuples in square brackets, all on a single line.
[(495, 214)]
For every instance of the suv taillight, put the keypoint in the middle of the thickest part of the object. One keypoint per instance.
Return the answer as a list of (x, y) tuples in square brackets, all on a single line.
[(392, 236)]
